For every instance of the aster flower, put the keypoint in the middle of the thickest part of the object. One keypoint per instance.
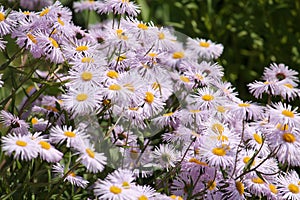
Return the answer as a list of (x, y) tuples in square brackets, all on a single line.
[(6, 23), (165, 156), (206, 98), (288, 90), (81, 101), (280, 72), (108, 190), (165, 40), (245, 110), (234, 190), (71, 177), (73, 137), (283, 114), (119, 7), (145, 192), (258, 88), (93, 161), (87, 5), (13, 122), (21, 146), (79, 48), (288, 185), (256, 186), (206, 49)]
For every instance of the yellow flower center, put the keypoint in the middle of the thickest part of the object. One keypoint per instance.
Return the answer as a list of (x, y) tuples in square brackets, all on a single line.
[(112, 74), (207, 97), (69, 134), (178, 55), (125, 184), (266, 82), (289, 137), (195, 111), (26, 12), (283, 127), (21, 143), (219, 151), (53, 42), (288, 113), (142, 26), (121, 58), (221, 109), (152, 54), (32, 38), (81, 97), (293, 188), (34, 120), (115, 87), (161, 36), (176, 197), (149, 97), (90, 152), (195, 160), (185, 79), (273, 189), (143, 197), (87, 60), (44, 12), (211, 185), (247, 159), (115, 189), (60, 21), (217, 128), (45, 145), (222, 138), (288, 85), (168, 114), (257, 138), (244, 104), (240, 187), (204, 44), (257, 180), (86, 76), (199, 77), (82, 48)]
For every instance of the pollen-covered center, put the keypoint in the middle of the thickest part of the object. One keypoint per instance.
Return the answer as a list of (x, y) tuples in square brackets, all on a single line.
[(45, 145), (114, 87), (2, 16), (34, 120), (142, 26), (149, 97), (143, 197), (69, 134), (257, 180), (32, 38), (86, 76), (81, 97), (178, 55), (112, 74), (289, 137), (288, 113), (115, 189), (257, 138), (53, 42), (21, 143), (244, 105), (204, 44), (207, 97), (217, 128), (82, 48), (195, 160), (240, 187), (219, 151), (288, 85), (247, 159), (87, 60), (273, 189), (185, 79), (90, 152), (211, 185), (161, 36), (293, 188), (44, 12)]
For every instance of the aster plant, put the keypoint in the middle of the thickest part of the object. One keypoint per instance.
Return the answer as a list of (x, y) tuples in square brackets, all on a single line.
[(124, 110)]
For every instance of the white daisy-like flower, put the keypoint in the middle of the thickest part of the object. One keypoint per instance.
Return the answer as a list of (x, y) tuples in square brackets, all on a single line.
[(288, 185), (205, 48), (280, 72), (206, 98), (105, 190), (245, 110), (21, 146), (283, 114), (165, 156), (71, 177), (153, 103), (93, 161), (234, 190), (17, 125), (81, 101), (73, 137)]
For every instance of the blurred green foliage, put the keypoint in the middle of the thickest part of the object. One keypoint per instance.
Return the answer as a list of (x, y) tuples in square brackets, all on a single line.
[(254, 33)]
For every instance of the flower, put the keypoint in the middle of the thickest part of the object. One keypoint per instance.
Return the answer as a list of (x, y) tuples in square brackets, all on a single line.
[(288, 185), (22, 146), (119, 7), (280, 72), (165, 156), (245, 110), (93, 161), (70, 177), (206, 49), (13, 122), (73, 137), (283, 114), (86, 5)]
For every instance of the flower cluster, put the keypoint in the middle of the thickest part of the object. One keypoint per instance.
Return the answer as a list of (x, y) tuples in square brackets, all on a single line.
[(129, 112)]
